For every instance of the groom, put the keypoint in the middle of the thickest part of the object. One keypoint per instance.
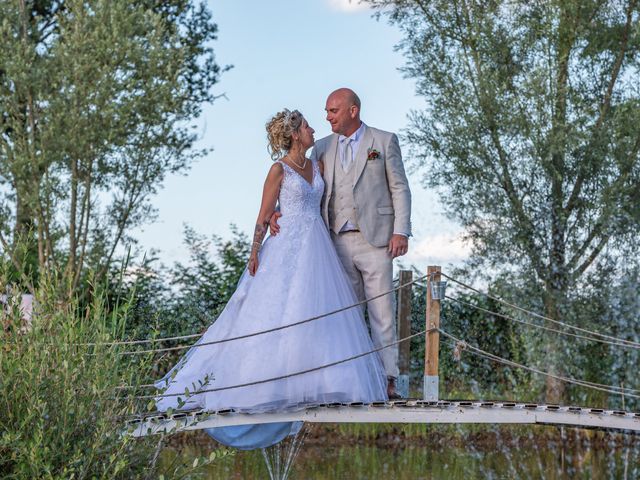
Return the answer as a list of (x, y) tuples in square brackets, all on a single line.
[(367, 207)]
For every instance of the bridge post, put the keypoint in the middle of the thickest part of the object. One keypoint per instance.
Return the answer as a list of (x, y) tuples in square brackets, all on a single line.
[(432, 342), (404, 330)]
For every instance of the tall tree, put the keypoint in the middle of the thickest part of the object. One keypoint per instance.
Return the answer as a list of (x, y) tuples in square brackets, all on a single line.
[(532, 127), (96, 103)]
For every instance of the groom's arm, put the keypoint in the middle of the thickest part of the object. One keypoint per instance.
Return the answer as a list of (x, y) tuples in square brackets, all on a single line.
[(399, 188)]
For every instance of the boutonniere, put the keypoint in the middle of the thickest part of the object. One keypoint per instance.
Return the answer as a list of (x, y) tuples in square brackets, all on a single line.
[(372, 154)]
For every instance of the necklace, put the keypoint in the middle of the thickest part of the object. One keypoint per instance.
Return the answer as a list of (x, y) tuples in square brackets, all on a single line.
[(301, 167)]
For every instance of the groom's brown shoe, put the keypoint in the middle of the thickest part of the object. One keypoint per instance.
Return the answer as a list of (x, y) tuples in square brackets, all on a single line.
[(392, 393)]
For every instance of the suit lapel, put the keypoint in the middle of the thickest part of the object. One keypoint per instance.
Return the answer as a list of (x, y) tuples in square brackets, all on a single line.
[(363, 152)]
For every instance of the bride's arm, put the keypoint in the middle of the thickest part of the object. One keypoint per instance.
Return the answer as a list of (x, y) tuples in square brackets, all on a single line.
[(268, 206)]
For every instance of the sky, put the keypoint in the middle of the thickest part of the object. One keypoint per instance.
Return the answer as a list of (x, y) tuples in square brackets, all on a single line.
[(291, 53)]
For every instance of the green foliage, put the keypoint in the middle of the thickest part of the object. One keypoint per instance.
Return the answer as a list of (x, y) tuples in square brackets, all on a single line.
[(63, 410), (184, 298), (206, 283), (530, 127), (464, 371), (60, 411), (464, 375), (96, 102)]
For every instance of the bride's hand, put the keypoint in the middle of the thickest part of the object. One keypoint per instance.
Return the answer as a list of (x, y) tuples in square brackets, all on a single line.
[(253, 264)]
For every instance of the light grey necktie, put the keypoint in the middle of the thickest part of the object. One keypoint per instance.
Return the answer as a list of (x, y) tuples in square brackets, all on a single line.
[(347, 158)]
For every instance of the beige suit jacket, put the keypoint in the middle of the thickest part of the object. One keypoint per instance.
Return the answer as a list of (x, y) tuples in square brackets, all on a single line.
[(380, 191)]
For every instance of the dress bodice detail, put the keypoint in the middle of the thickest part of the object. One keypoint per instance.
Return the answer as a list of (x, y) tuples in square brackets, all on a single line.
[(299, 197)]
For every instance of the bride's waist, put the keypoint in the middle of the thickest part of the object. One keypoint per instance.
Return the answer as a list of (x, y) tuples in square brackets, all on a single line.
[(299, 216), (295, 222)]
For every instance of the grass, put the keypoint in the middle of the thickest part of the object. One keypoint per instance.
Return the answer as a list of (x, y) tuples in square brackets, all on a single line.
[(61, 410)]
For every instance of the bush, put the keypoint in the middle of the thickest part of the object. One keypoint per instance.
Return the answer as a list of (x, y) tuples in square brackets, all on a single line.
[(62, 411), (466, 375)]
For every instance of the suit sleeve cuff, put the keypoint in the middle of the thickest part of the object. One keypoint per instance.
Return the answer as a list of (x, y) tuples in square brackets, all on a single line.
[(402, 233)]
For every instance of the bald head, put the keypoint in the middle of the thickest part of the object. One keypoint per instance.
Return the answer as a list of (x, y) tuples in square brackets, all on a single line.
[(346, 95), (343, 111)]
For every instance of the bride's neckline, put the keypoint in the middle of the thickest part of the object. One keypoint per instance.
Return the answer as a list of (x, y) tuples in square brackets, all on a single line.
[(295, 170)]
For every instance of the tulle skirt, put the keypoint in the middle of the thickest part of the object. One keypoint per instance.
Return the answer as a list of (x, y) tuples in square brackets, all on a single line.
[(299, 276)]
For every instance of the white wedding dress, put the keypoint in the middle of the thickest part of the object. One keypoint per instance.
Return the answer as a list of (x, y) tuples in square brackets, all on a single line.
[(299, 276)]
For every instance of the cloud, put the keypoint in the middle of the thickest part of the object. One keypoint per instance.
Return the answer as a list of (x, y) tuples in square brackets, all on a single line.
[(348, 6), (439, 249)]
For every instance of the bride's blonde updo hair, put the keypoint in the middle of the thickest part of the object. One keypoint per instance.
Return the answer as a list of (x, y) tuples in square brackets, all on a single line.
[(280, 131)]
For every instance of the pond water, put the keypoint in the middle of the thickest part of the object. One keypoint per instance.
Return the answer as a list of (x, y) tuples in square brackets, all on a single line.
[(467, 453)]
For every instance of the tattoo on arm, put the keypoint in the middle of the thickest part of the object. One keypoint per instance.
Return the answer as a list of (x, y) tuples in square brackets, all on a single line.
[(258, 236)]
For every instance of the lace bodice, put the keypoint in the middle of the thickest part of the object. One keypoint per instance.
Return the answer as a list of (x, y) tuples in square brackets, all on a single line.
[(299, 197)]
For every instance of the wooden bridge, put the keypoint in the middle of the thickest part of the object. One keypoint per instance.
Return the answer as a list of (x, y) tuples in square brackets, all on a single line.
[(405, 411), (428, 410)]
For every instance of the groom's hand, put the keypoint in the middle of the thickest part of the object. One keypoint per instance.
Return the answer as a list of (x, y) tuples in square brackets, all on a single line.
[(274, 228), (398, 245)]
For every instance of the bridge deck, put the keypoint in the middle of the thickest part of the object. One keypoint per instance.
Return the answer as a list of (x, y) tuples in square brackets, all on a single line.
[(406, 411)]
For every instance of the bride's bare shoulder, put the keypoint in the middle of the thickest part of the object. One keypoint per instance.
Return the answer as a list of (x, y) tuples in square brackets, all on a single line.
[(276, 173), (276, 168)]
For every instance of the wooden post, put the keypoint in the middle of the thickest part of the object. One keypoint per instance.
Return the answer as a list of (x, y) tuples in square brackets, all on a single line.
[(432, 341), (404, 330)]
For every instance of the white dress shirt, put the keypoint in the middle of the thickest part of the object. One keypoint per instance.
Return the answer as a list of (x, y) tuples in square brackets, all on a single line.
[(355, 137)]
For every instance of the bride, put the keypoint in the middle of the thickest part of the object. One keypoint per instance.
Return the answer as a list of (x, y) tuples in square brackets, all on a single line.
[(290, 277)]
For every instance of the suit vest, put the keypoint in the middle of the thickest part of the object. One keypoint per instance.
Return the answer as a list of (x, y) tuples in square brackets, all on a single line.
[(342, 207)]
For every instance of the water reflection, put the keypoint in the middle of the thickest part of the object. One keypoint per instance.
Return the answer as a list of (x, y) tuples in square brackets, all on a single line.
[(468, 453)]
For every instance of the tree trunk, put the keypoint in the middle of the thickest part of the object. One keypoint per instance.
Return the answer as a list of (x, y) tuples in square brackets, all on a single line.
[(555, 389), (24, 217)]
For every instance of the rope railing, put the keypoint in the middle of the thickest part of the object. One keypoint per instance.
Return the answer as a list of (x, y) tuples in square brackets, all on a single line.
[(288, 375), (193, 335), (542, 327), (613, 389), (416, 282), (270, 330), (461, 344), (141, 341), (162, 339), (543, 317)]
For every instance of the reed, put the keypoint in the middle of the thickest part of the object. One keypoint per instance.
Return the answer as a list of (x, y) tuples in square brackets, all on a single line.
[(61, 412)]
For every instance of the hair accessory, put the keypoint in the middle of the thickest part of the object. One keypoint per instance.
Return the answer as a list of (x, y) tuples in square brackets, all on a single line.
[(287, 116)]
